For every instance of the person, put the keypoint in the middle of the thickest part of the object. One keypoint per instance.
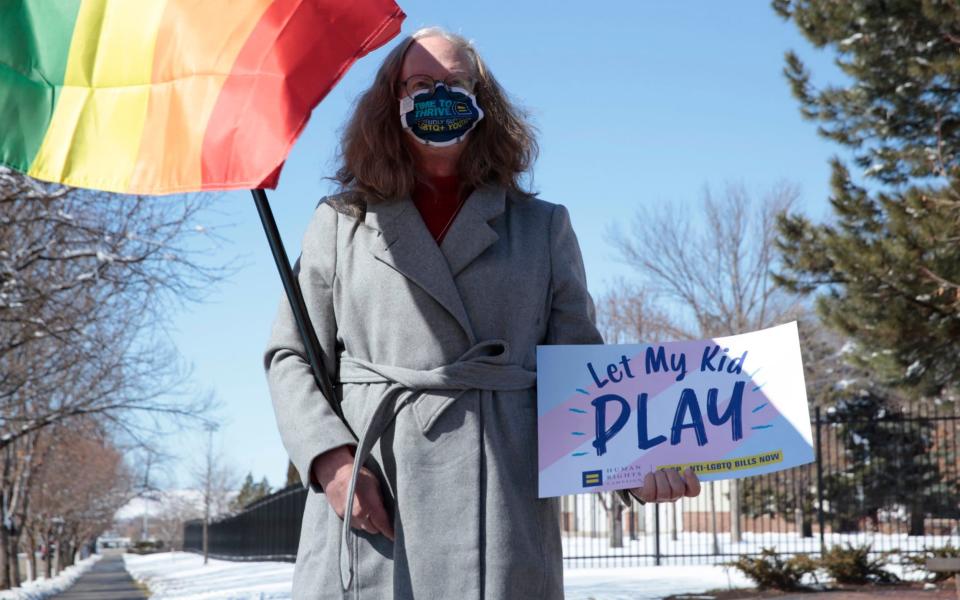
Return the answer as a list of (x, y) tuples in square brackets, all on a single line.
[(430, 278)]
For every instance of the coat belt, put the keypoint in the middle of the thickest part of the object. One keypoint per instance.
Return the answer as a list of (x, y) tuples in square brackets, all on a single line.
[(484, 366)]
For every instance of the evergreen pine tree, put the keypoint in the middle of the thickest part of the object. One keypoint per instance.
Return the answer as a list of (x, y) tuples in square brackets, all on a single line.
[(249, 492), (293, 477), (890, 265), (884, 460)]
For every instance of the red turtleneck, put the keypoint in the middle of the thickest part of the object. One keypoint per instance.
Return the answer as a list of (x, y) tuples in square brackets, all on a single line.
[(439, 208)]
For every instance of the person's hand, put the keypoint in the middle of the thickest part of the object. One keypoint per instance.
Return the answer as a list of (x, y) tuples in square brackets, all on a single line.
[(332, 470), (668, 485)]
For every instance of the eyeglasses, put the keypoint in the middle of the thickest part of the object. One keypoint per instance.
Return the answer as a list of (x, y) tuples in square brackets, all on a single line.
[(416, 84)]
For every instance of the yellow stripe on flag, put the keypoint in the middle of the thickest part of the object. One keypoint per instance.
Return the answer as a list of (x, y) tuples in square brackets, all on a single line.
[(95, 132), (192, 67)]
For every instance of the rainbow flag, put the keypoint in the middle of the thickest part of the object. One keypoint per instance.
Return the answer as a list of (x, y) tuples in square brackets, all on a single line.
[(167, 96)]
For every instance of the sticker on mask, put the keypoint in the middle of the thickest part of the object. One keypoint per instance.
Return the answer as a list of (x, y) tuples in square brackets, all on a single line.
[(441, 117)]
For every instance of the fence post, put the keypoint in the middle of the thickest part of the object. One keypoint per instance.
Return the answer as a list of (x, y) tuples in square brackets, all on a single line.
[(820, 520), (656, 534)]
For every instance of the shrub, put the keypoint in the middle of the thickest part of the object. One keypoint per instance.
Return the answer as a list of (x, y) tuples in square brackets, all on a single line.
[(146, 546), (853, 565), (918, 562), (770, 570)]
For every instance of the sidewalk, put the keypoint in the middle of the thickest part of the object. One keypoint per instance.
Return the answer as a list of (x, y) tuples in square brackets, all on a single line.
[(940, 594), (106, 580), (944, 591)]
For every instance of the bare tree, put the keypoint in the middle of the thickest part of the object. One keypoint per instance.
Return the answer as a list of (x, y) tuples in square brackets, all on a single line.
[(102, 484), (711, 263), (176, 509), (707, 272), (86, 283), (80, 480), (219, 481), (86, 280)]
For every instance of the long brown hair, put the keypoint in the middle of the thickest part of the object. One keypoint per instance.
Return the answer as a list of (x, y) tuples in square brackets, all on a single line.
[(375, 162)]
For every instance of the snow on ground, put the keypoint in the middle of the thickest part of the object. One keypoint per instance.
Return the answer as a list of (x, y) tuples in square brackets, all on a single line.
[(165, 502), (648, 583), (43, 587), (183, 576), (701, 544), (588, 574)]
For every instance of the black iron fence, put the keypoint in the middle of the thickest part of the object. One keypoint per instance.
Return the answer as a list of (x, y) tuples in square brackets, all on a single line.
[(267, 529), (888, 478)]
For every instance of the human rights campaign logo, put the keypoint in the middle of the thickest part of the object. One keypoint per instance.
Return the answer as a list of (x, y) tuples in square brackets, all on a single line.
[(592, 478)]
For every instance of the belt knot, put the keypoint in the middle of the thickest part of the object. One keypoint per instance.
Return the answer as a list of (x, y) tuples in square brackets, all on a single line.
[(484, 366)]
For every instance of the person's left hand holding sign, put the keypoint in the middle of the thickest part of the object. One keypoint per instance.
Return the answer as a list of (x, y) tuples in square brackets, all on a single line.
[(668, 485)]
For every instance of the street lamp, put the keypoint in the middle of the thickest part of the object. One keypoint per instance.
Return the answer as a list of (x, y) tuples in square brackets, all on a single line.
[(58, 524), (210, 426)]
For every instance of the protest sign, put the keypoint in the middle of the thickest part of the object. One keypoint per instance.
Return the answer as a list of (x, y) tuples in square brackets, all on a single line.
[(730, 407)]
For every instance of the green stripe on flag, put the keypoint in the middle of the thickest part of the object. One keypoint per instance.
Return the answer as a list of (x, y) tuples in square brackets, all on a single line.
[(35, 37)]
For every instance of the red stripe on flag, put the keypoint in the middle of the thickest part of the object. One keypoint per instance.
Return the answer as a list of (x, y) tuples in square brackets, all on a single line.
[(294, 56)]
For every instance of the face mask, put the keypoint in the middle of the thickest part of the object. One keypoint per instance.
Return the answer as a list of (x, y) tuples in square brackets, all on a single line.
[(441, 117)]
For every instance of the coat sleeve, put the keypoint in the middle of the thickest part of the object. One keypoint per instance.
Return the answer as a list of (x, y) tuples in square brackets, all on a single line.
[(308, 425), (573, 315)]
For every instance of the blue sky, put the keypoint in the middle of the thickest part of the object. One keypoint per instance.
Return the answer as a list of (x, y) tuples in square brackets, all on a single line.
[(638, 103)]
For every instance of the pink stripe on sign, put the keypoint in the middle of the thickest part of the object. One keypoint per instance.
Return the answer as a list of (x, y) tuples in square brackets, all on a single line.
[(554, 426)]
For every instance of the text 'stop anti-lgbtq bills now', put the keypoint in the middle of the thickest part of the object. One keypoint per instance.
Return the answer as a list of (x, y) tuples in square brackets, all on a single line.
[(729, 407)]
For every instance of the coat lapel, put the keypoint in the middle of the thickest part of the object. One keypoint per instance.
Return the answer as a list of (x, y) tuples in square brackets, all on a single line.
[(405, 244), (470, 233)]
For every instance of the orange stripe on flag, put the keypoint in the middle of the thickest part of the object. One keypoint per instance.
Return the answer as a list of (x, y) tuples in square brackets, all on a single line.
[(197, 45), (294, 57)]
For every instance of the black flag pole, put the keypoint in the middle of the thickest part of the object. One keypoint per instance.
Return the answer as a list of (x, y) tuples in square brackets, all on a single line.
[(297, 305)]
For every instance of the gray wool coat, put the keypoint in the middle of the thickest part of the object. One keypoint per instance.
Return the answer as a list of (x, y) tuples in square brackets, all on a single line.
[(432, 350)]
